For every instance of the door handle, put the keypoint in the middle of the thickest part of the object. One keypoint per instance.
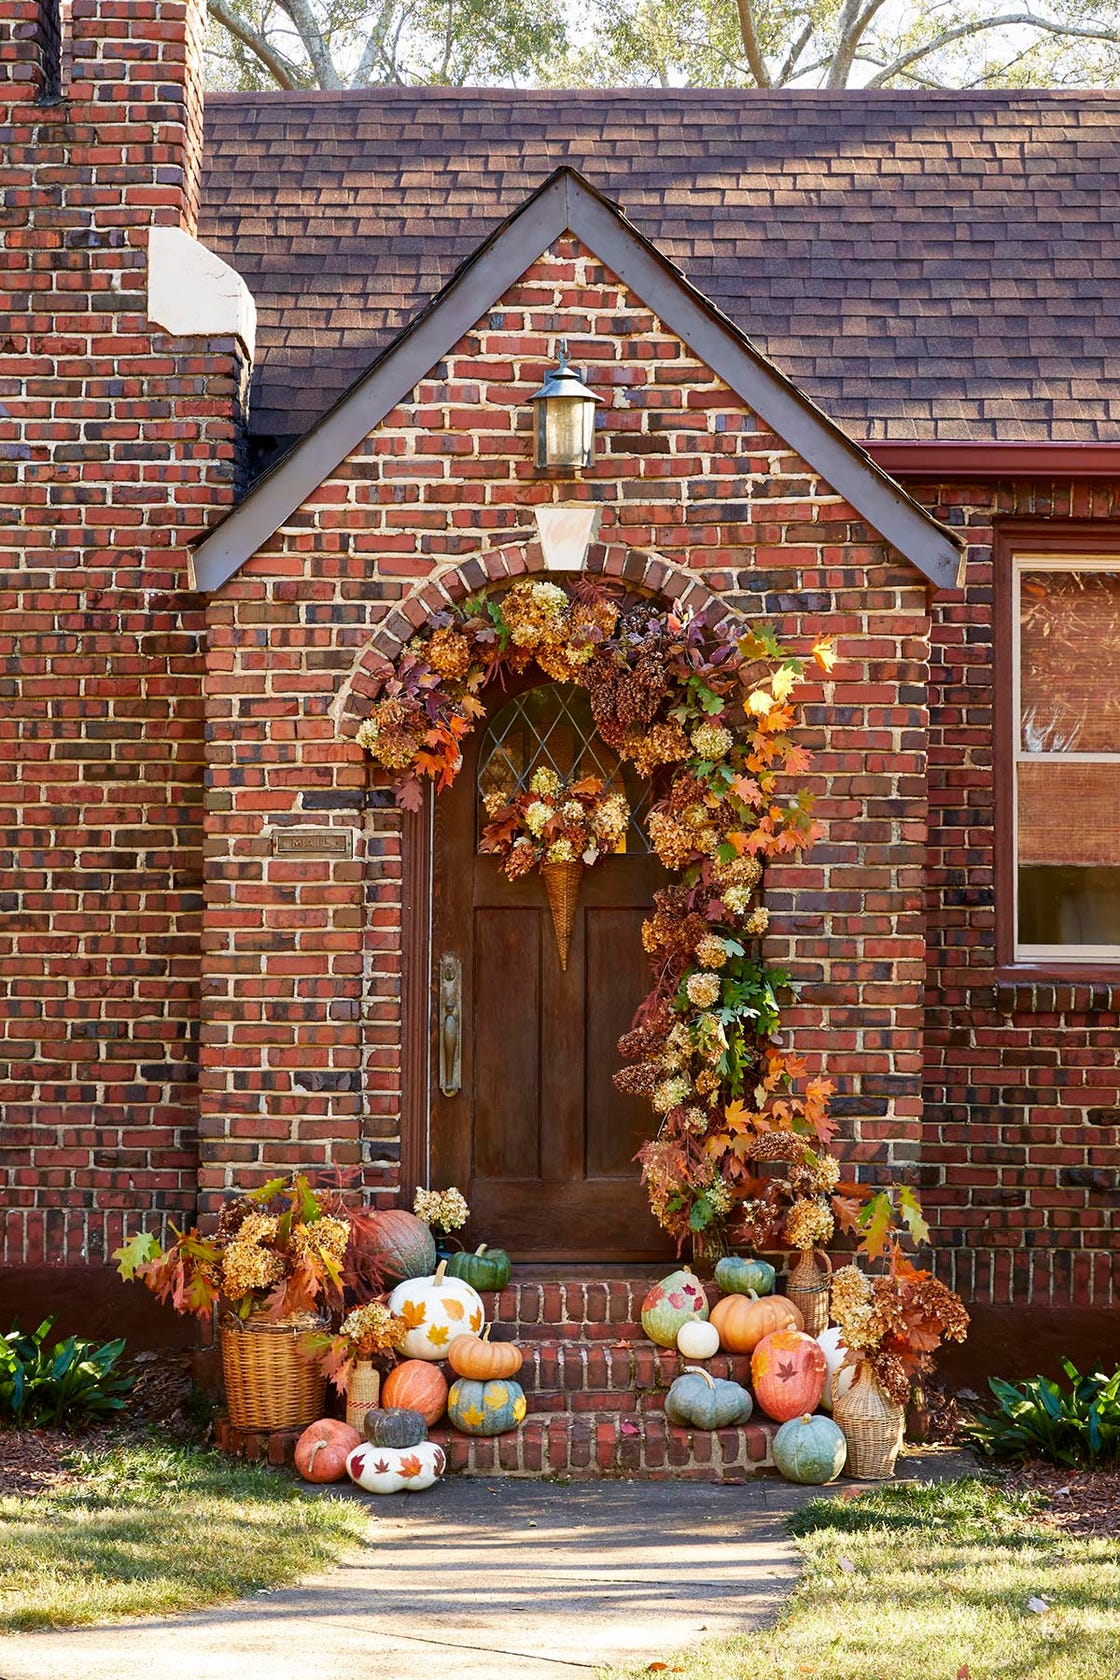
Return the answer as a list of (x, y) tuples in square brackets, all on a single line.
[(450, 1024)]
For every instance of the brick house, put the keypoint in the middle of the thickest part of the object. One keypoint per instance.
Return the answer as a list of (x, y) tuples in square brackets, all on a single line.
[(858, 362)]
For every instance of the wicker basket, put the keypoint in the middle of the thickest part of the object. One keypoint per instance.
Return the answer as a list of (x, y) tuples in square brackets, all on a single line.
[(808, 1289), (872, 1425), (562, 884), (271, 1383), (362, 1393)]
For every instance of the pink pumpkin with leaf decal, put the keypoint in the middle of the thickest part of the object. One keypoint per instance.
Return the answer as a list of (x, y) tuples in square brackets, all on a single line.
[(788, 1370)]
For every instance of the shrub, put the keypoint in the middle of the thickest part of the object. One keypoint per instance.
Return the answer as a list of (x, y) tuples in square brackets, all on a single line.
[(74, 1381), (1040, 1420)]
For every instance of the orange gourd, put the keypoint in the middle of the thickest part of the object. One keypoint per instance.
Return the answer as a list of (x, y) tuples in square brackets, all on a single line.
[(479, 1357), (416, 1385), (323, 1448), (788, 1370), (743, 1320)]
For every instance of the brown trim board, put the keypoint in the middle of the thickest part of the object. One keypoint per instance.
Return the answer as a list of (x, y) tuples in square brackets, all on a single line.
[(566, 202)]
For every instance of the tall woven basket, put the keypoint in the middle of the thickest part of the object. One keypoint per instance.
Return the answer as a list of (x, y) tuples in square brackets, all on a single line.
[(562, 883), (271, 1383), (872, 1423), (362, 1393), (808, 1289)]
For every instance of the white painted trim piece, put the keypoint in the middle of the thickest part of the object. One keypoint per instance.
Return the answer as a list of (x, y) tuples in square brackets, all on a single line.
[(566, 533), (194, 294)]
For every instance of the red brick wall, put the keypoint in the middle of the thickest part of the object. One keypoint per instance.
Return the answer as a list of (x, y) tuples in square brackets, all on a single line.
[(1021, 1128), (117, 445), (303, 967)]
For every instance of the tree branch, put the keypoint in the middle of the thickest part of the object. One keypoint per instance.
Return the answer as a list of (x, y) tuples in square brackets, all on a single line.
[(374, 49), (283, 72), (978, 26), (794, 54), (750, 44), (314, 41)]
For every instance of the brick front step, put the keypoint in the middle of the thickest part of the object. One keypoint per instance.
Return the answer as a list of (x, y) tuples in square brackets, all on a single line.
[(580, 1445), (573, 1376), (573, 1309), (583, 1445)]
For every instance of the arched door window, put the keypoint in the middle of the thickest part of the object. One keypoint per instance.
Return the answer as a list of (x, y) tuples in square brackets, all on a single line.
[(552, 726)]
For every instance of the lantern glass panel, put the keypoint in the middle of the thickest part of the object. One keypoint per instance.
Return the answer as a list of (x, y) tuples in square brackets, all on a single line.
[(565, 430)]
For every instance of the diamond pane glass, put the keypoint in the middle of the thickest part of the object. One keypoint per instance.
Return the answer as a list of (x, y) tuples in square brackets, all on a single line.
[(552, 726)]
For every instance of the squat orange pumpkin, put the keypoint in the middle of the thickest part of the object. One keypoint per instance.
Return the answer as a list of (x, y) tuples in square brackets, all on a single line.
[(322, 1450), (743, 1320), (788, 1371), (416, 1385)]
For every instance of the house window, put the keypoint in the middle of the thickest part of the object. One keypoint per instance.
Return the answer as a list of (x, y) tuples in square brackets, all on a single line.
[(1066, 795)]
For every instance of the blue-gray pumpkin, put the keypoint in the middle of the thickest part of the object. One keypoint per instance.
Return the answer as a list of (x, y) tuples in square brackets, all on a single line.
[(739, 1274), (486, 1408), (697, 1400), (810, 1450)]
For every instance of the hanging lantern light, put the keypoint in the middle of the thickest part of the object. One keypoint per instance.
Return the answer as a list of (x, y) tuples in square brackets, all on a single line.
[(564, 417)]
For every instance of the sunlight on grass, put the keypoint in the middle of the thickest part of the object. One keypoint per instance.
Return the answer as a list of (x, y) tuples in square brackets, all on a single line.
[(153, 1528), (942, 1579)]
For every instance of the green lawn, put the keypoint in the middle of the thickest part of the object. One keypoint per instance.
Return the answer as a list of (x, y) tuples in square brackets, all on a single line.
[(922, 1581), (150, 1528)]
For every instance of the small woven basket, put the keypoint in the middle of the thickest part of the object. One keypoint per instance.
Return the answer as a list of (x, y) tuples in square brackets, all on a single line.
[(362, 1393), (808, 1288), (562, 884), (872, 1425), (271, 1383)]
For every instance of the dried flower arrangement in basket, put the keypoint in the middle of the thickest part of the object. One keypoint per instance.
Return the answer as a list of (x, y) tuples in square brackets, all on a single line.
[(560, 828)]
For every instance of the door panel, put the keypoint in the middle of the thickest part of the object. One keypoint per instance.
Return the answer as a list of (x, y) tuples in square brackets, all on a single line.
[(537, 1136)]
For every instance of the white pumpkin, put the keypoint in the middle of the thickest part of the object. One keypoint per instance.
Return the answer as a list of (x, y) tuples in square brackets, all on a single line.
[(436, 1310), (395, 1469), (697, 1339), (832, 1345)]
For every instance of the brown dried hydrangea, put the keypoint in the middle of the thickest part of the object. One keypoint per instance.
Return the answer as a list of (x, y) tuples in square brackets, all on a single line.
[(448, 652)]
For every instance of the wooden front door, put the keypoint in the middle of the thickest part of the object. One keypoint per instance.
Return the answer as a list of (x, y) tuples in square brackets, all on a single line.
[(536, 1135)]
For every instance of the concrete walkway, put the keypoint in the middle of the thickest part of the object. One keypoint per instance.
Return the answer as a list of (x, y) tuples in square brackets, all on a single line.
[(482, 1580)]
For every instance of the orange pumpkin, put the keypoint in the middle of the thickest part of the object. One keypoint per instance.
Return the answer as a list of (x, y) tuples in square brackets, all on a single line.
[(743, 1320), (416, 1385), (323, 1448), (788, 1370), (478, 1356)]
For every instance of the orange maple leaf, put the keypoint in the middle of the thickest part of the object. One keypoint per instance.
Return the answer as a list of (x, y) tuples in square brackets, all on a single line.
[(438, 1334), (413, 1312), (409, 1467)]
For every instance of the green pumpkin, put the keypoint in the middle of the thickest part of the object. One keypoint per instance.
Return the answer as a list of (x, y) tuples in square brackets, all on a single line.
[(739, 1274), (671, 1303), (701, 1401), (486, 1408), (395, 1426), (486, 1268), (810, 1450)]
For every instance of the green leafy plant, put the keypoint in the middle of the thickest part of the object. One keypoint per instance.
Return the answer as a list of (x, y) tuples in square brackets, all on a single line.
[(73, 1381), (1040, 1419)]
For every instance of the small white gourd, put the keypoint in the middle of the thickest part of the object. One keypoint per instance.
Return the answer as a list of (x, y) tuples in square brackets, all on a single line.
[(697, 1339)]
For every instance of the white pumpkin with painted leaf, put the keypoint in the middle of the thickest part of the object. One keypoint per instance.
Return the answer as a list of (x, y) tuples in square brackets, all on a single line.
[(436, 1310), (395, 1469), (697, 1339), (832, 1345)]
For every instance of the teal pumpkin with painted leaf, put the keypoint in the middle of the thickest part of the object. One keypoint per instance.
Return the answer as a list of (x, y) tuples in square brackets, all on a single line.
[(739, 1274), (810, 1449), (671, 1303), (486, 1408)]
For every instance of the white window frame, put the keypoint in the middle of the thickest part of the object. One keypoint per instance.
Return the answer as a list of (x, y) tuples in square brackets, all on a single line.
[(1025, 561)]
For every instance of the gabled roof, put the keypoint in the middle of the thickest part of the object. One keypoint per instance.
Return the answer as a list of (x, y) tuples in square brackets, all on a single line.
[(566, 203), (923, 264)]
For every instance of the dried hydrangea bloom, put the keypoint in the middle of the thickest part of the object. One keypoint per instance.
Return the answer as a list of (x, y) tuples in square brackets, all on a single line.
[(808, 1223), (561, 851), (373, 1329), (449, 653), (711, 952), (545, 782), (712, 740), (520, 860), (758, 920), (672, 843), (671, 1093), (537, 815), (702, 989), (323, 1237), (246, 1267)]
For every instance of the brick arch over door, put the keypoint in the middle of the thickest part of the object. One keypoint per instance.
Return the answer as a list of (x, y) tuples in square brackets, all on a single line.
[(640, 569)]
